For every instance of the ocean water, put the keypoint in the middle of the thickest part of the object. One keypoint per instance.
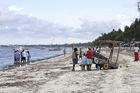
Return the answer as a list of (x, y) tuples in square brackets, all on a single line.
[(7, 53)]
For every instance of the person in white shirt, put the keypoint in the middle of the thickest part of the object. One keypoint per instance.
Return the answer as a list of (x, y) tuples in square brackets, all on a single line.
[(23, 54), (136, 53), (83, 62)]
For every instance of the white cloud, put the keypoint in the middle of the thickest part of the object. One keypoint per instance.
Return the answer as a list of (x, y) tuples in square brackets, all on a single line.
[(23, 29), (14, 8), (6, 27), (124, 19), (92, 29)]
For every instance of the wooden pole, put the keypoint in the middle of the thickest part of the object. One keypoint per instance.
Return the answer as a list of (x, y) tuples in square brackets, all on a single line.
[(111, 53), (118, 53)]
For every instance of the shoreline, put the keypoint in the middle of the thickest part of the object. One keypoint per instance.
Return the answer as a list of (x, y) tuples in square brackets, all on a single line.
[(31, 62), (29, 79)]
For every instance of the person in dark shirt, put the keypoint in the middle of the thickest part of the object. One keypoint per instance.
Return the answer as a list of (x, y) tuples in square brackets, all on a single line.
[(80, 54), (74, 58)]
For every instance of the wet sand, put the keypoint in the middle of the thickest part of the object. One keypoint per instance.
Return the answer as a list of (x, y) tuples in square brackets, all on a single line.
[(55, 76)]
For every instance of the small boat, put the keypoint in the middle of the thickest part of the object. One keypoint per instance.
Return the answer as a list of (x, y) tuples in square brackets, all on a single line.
[(55, 49), (43, 48)]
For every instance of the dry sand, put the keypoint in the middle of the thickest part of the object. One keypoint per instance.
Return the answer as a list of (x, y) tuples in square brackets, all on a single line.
[(55, 76)]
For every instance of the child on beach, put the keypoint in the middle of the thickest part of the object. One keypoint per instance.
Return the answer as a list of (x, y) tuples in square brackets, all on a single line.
[(83, 62), (96, 61), (28, 56)]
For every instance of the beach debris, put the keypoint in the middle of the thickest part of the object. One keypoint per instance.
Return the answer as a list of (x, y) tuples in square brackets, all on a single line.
[(76, 82), (127, 66)]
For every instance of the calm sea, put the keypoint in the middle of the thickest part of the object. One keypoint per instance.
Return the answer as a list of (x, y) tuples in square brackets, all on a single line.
[(37, 52)]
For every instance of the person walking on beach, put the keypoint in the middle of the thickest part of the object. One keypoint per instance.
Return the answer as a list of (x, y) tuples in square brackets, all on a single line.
[(28, 56), (89, 58), (136, 53), (74, 58)]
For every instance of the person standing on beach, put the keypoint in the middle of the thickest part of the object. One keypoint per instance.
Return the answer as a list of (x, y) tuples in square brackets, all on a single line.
[(64, 52), (93, 51), (21, 57), (23, 54), (89, 58), (98, 49), (28, 56), (73, 47), (80, 54), (106, 49), (14, 56), (74, 58), (83, 62), (136, 53), (17, 57)]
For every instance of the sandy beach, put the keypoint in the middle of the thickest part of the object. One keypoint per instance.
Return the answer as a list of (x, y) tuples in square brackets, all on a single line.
[(55, 76), (42, 41)]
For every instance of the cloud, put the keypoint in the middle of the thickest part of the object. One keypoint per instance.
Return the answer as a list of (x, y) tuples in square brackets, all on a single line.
[(23, 29), (92, 29), (14, 8), (124, 19)]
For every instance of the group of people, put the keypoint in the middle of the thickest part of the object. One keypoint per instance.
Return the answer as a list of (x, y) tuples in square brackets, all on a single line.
[(21, 56), (86, 58)]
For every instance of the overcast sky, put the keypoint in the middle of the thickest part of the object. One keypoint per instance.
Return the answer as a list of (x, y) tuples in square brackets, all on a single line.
[(62, 21)]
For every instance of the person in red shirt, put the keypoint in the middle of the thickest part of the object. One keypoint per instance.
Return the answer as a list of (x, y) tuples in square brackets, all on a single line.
[(89, 58)]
